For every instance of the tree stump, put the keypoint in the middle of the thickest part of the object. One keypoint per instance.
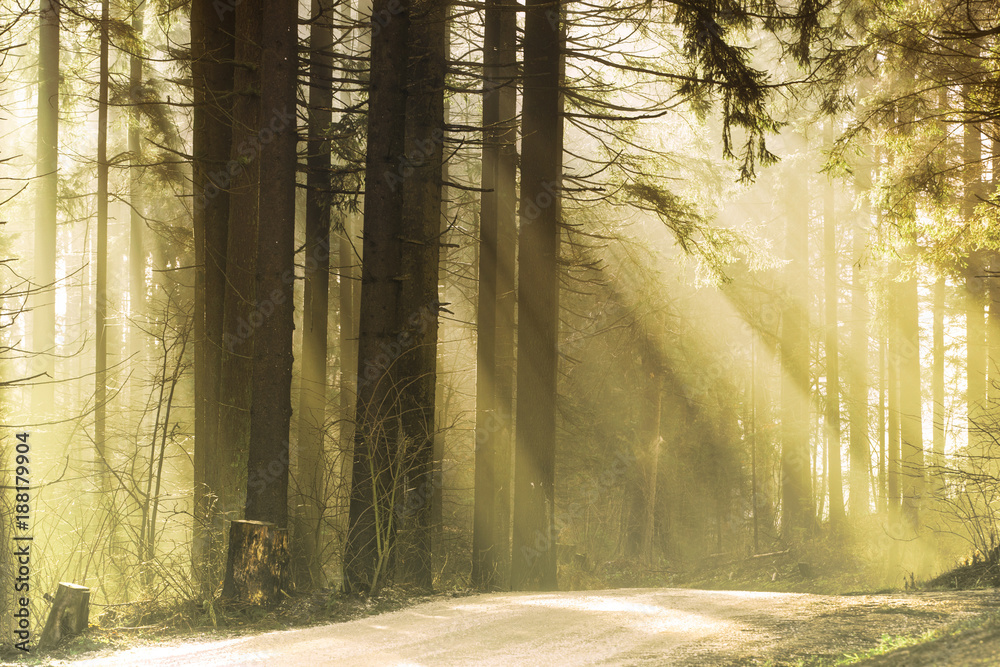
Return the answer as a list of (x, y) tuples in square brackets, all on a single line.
[(257, 566), (68, 616)]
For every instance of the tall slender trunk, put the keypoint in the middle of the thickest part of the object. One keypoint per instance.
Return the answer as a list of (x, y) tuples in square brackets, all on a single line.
[(212, 73), (349, 293), (993, 298), (506, 202), (136, 256), (797, 504), (270, 403), (911, 432), (533, 557), (653, 470), (937, 390), (993, 317), (494, 355), (893, 454), (43, 310), (830, 275), (241, 315), (860, 449), (420, 258), (375, 475), (101, 360), (882, 466), (310, 461), (975, 293), (642, 497)]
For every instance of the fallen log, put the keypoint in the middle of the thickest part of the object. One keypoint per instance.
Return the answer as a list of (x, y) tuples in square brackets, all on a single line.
[(257, 565), (68, 616)]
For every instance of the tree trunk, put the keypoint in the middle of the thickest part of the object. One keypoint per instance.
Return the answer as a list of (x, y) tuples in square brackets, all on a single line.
[(911, 434), (241, 316), (101, 356), (136, 256), (937, 390), (860, 449), (830, 274), (533, 557), (212, 71), (506, 203), (349, 292), (420, 258), (270, 407), (975, 293), (651, 432), (797, 502), (883, 361), (43, 310), (375, 475), (893, 462), (993, 319), (993, 298), (311, 462), (484, 529), (349, 287)]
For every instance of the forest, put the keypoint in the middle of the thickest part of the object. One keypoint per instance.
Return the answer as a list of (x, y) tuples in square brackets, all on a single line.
[(368, 295)]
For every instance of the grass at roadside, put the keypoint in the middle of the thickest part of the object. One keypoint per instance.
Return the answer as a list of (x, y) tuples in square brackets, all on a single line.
[(971, 642)]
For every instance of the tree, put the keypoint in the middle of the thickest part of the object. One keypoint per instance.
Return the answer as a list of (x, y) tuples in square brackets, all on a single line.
[(858, 412), (270, 406), (975, 288), (911, 435), (832, 348), (212, 76), (937, 388), (797, 503), (43, 326), (893, 455), (419, 258), (375, 473), (533, 557), (101, 353), (262, 264), (313, 394), (136, 254), (494, 323)]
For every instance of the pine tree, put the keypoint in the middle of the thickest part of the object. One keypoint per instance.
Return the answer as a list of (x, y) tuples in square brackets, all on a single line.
[(494, 325), (369, 552), (533, 557), (212, 75), (43, 326), (310, 461)]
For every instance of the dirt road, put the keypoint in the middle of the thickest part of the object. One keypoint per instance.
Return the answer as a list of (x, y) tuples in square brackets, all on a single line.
[(618, 627)]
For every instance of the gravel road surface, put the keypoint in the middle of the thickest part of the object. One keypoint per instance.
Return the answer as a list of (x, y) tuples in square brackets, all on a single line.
[(617, 627)]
